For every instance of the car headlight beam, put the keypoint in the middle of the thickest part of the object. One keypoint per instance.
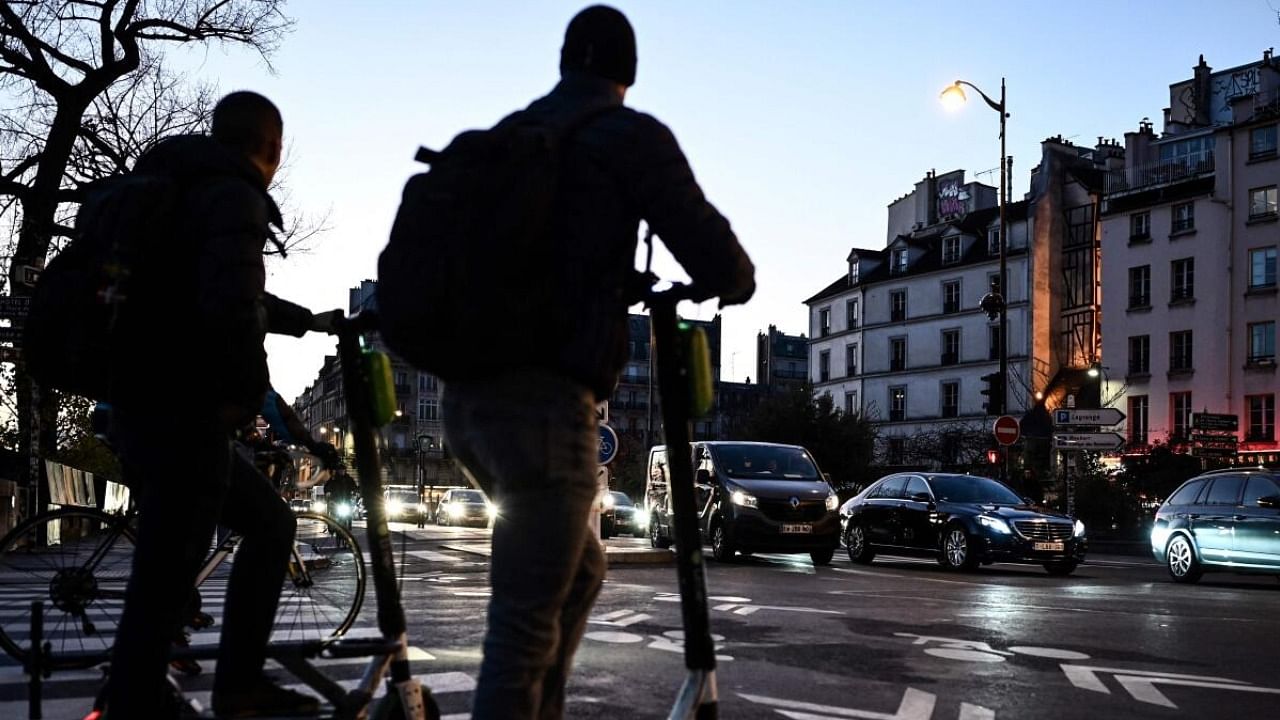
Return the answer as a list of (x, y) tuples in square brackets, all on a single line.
[(394, 508), (1079, 528), (744, 499), (995, 524), (454, 509)]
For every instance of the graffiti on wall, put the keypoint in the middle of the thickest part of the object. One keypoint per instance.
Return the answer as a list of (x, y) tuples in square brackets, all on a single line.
[(953, 198)]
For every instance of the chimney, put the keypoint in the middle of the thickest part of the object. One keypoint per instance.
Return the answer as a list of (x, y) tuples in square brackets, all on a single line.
[(1202, 91)]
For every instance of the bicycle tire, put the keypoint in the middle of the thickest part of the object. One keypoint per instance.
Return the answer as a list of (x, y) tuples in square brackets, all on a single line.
[(49, 558), (324, 602)]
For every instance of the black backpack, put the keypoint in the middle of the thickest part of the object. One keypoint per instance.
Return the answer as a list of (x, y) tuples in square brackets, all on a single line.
[(466, 281), (83, 314)]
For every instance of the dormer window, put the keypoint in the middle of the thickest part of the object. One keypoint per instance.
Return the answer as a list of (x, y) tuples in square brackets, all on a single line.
[(900, 261), (951, 250), (853, 273), (993, 241)]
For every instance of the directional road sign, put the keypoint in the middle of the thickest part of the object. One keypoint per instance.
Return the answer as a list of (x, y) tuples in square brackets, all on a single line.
[(1087, 441), (14, 306), (1006, 430), (1099, 416), (1215, 421)]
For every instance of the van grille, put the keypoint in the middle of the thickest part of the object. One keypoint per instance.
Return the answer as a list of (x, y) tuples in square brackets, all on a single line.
[(781, 510), (1044, 530)]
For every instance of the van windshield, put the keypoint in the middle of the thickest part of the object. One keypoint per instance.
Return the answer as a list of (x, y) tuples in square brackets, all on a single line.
[(768, 462)]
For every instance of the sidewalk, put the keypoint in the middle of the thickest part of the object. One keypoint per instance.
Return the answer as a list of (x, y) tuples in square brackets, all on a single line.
[(618, 551)]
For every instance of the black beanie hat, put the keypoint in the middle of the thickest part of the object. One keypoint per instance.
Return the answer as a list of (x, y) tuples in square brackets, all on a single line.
[(600, 41)]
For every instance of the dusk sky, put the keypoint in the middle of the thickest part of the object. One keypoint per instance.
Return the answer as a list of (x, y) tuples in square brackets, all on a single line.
[(802, 120)]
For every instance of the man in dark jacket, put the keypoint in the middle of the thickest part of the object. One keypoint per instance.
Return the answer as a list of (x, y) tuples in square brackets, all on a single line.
[(210, 307), (529, 436)]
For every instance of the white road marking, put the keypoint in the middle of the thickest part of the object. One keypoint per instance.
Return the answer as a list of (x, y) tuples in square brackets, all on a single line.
[(915, 705), (1141, 684)]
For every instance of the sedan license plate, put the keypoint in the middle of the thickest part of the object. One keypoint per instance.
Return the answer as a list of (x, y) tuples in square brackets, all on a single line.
[(797, 529), (1050, 546)]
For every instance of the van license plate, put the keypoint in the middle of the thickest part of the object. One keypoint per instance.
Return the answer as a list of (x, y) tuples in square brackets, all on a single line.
[(797, 529), (1050, 546)]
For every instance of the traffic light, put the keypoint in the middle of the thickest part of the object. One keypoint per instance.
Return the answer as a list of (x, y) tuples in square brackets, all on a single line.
[(994, 456), (993, 388)]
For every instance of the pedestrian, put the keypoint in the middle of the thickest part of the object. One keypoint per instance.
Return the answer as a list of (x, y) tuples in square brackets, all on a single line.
[(212, 317), (528, 434)]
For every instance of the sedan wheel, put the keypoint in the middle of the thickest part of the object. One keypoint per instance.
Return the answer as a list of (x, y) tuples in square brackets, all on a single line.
[(1181, 560), (822, 557), (957, 551), (655, 536), (855, 541)]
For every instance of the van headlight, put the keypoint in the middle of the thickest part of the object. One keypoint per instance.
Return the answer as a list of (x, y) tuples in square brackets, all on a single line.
[(995, 524), (833, 502), (744, 499), (493, 511), (1079, 529)]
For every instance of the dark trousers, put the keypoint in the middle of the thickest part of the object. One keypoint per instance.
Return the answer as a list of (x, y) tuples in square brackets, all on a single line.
[(530, 440), (187, 483)]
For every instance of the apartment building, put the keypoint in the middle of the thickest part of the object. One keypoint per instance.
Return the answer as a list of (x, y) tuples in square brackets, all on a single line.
[(782, 361), (1189, 242)]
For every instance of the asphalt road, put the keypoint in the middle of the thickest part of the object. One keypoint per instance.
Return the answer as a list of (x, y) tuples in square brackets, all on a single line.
[(900, 639)]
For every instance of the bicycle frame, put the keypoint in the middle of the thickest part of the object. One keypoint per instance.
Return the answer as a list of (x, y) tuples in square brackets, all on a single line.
[(697, 697)]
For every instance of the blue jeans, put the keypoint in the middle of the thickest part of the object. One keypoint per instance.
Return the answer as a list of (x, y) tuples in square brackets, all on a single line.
[(530, 440)]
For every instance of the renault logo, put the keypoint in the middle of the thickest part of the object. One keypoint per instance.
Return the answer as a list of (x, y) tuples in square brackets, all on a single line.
[(795, 503)]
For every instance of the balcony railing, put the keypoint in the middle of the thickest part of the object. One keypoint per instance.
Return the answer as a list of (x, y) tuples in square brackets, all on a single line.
[(1165, 172)]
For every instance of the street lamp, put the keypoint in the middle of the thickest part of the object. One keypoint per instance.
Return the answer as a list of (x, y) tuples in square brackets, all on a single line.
[(953, 97)]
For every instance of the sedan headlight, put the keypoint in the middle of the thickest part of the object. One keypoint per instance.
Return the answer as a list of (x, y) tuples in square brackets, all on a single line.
[(609, 501), (744, 499), (995, 524), (394, 508), (833, 502), (1079, 529), (641, 518), (493, 511), (454, 510), (318, 506)]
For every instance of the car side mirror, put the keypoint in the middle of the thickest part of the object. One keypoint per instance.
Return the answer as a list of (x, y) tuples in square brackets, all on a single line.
[(702, 477), (921, 497), (1028, 501), (1270, 501)]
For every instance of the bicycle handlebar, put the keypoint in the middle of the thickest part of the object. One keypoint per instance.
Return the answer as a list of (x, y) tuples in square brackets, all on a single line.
[(642, 290), (362, 321)]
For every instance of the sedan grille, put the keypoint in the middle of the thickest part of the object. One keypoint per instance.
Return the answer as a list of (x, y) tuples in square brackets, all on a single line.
[(1044, 530), (781, 510)]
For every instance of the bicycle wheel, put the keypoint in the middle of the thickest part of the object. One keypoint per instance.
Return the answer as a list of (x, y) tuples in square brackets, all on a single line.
[(324, 588), (77, 561)]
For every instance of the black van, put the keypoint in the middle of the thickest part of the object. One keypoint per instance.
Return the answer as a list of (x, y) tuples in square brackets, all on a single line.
[(751, 497)]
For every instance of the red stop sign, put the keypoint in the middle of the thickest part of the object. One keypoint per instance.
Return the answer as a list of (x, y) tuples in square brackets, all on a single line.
[(1006, 430)]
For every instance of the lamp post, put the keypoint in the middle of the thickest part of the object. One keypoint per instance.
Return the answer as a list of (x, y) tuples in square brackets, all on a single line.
[(953, 96)]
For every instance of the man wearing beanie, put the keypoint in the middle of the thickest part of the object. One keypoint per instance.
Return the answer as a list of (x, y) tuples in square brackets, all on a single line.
[(529, 435)]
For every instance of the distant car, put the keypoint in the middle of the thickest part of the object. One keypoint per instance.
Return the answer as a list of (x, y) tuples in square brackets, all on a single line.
[(465, 506), (1220, 520), (401, 503), (300, 504), (962, 520), (621, 516)]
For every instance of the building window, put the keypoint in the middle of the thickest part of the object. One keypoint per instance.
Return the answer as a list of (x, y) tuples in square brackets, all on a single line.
[(1184, 217), (1184, 279), (851, 403), (1180, 351), (428, 409), (950, 347), (1137, 420), (951, 250), (427, 383), (1140, 355), (851, 314), (951, 297), (824, 366), (993, 240), (1262, 268), (950, 399), (1262, 418), (1262, 142), (993, 282), (1140, 226), (824, 322), (1262, 343), (1179, 416), (1262, 203), (851, 359), (1194, 153), (898, 354), (900, 261), (897, 403), (1140, 286), (898, 306), (897, 451), (853, 272), (993, 342)]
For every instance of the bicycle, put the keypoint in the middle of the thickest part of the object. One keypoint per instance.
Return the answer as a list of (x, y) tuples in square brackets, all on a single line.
[(78, 561)]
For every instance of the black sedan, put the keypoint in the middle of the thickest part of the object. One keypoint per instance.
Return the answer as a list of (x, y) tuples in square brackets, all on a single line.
[(962, 520), (621, 516)]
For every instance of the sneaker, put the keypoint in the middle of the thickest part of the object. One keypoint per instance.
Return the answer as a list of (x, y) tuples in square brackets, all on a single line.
[(262, 698), (186, 666)]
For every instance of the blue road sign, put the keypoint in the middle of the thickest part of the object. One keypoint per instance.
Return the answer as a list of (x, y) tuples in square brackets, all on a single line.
[(608, 444)]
